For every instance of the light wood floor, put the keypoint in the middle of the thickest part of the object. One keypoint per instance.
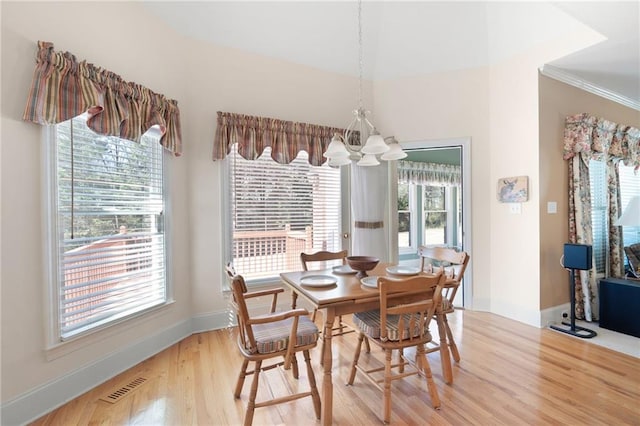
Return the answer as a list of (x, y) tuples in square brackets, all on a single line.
[(510, 374)]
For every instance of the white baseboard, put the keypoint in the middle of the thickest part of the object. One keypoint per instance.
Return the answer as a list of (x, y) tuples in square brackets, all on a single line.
[(553, 315)]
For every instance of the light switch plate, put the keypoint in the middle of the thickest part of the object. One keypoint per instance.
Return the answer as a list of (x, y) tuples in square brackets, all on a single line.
[(552, 207), (515, 208)]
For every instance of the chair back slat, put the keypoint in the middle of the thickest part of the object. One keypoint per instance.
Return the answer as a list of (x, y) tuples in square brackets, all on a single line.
[(239, 304), (424, 294), (458, 261), (312, 260)]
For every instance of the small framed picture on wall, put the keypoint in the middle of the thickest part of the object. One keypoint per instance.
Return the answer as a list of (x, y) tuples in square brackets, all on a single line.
[(513, 189)]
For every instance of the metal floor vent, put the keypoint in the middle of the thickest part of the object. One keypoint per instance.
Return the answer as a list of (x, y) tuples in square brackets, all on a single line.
[(117, 395)]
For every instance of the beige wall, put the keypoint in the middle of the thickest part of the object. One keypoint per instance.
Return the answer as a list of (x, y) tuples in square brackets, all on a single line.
[(557, 101), (204, 79)]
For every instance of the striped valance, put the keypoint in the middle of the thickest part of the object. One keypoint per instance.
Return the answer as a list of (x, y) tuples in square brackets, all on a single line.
[(286, 138), (63, 88), (428, 174), (597, 136)]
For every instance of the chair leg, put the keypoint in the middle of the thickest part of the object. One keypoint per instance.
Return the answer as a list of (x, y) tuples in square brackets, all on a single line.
[(367, 348), (356, 356), (294, 365), (312, 383), (241, 376), (251, 406), (452, 343), (426, 370), (386, 409)]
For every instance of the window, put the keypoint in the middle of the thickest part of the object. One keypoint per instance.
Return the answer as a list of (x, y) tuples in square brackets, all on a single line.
[(107, 227), (278, 211), (435, 215), (629, 186)]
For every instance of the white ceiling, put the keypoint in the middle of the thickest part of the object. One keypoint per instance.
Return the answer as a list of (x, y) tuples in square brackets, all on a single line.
[(402, 39)]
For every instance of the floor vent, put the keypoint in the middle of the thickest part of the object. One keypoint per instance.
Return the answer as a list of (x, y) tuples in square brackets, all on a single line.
[(117, 395)]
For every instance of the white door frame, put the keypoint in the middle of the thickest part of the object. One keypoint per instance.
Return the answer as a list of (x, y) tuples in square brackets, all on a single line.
[(465, 145)]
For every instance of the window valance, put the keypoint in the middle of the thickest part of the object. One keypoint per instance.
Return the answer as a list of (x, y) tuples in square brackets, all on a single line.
[(63, 88), (597, 136), (286, 138), (429, 174)]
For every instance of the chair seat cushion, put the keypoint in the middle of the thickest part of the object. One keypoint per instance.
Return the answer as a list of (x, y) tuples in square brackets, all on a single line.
[(274, 337), (369, 323)]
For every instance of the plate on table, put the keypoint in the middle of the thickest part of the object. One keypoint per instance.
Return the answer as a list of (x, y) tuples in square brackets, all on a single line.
[(403, 270), (344, 269), (371, 282), (318, 281)]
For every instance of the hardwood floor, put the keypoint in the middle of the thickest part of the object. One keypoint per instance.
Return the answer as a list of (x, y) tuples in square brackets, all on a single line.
[(510, 374)]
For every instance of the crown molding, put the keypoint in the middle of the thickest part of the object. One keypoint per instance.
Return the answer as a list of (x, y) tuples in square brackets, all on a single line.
[(572, 80)]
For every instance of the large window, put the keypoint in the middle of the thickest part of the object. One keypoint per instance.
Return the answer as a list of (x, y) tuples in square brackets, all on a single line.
[(277, 211), (107, 227), (629, 187)]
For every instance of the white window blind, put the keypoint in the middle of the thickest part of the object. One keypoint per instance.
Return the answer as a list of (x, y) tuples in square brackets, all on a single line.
[(110, 238), (629, 187), (278, 211)]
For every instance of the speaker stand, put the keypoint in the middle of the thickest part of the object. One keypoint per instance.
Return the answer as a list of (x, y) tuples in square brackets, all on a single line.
[(573, 329)]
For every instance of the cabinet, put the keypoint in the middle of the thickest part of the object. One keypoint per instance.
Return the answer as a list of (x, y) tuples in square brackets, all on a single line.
[(620, 305)]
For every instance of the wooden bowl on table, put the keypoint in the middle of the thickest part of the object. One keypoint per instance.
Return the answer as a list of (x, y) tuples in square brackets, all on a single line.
[(362, 264)]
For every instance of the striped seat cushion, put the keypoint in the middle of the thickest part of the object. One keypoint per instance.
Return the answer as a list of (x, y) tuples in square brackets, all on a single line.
[(369, 323), (274, 337)]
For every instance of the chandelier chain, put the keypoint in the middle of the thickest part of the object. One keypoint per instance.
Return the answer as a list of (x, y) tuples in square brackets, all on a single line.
[(360, 52)]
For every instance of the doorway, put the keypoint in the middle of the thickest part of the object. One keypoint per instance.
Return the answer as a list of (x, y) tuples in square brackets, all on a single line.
[(428, 203)]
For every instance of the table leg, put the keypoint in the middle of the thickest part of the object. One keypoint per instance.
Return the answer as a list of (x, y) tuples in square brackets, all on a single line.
[(327, 384), (445, 358)]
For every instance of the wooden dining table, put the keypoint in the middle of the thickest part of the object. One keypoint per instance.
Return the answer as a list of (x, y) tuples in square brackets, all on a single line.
[(347, 296)]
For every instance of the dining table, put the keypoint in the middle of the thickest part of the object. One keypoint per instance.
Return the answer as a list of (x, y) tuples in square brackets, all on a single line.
[(340, 291)]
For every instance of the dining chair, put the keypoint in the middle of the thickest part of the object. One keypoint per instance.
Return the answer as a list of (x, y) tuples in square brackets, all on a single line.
[(323, 260), (407, 307), (452, 264), (268, 338)]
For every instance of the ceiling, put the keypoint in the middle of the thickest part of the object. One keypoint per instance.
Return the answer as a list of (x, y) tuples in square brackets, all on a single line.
[(404, 39)]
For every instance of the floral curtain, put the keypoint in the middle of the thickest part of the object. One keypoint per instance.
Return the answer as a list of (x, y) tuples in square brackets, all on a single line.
[(63, 88), (286, 138), (585, 138), (429, 174)]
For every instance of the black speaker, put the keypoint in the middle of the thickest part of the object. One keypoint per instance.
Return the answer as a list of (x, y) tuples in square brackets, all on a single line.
[(577, 256)]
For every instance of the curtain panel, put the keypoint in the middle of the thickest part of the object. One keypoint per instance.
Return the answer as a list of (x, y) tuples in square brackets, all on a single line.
[(286, 138), (585, 138), (428, 174), (63, 88)]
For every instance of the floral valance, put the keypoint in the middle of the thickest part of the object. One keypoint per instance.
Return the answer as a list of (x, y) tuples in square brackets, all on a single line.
[(63, 88), (597, 136), (430, 174), (286, 138)]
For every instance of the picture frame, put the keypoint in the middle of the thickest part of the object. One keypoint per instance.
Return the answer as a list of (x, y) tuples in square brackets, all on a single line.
[(513, 189)]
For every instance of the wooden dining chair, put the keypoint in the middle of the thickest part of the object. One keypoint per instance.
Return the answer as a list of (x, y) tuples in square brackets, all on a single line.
[(452, 264), (407, 307), (268, 338), (323, 260)]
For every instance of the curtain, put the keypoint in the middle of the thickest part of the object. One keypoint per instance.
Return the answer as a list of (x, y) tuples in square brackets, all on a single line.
[(369, 187), (428, 174), (587, 137), (286, 138), (63, 88)]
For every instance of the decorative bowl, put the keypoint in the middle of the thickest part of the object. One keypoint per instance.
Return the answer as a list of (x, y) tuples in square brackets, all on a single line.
[(362, 264)]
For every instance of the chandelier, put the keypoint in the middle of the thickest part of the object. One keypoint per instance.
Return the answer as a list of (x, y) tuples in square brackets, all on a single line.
[(350, 146)]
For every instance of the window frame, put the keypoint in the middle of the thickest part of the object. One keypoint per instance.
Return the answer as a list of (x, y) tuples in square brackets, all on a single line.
[(55, 344)]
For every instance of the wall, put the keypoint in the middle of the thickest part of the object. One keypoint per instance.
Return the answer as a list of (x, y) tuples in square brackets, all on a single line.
[(124, 38), (557, 101)]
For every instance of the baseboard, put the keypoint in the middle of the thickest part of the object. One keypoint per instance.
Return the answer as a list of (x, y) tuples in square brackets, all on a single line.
[(553, 315), (47, 397)]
